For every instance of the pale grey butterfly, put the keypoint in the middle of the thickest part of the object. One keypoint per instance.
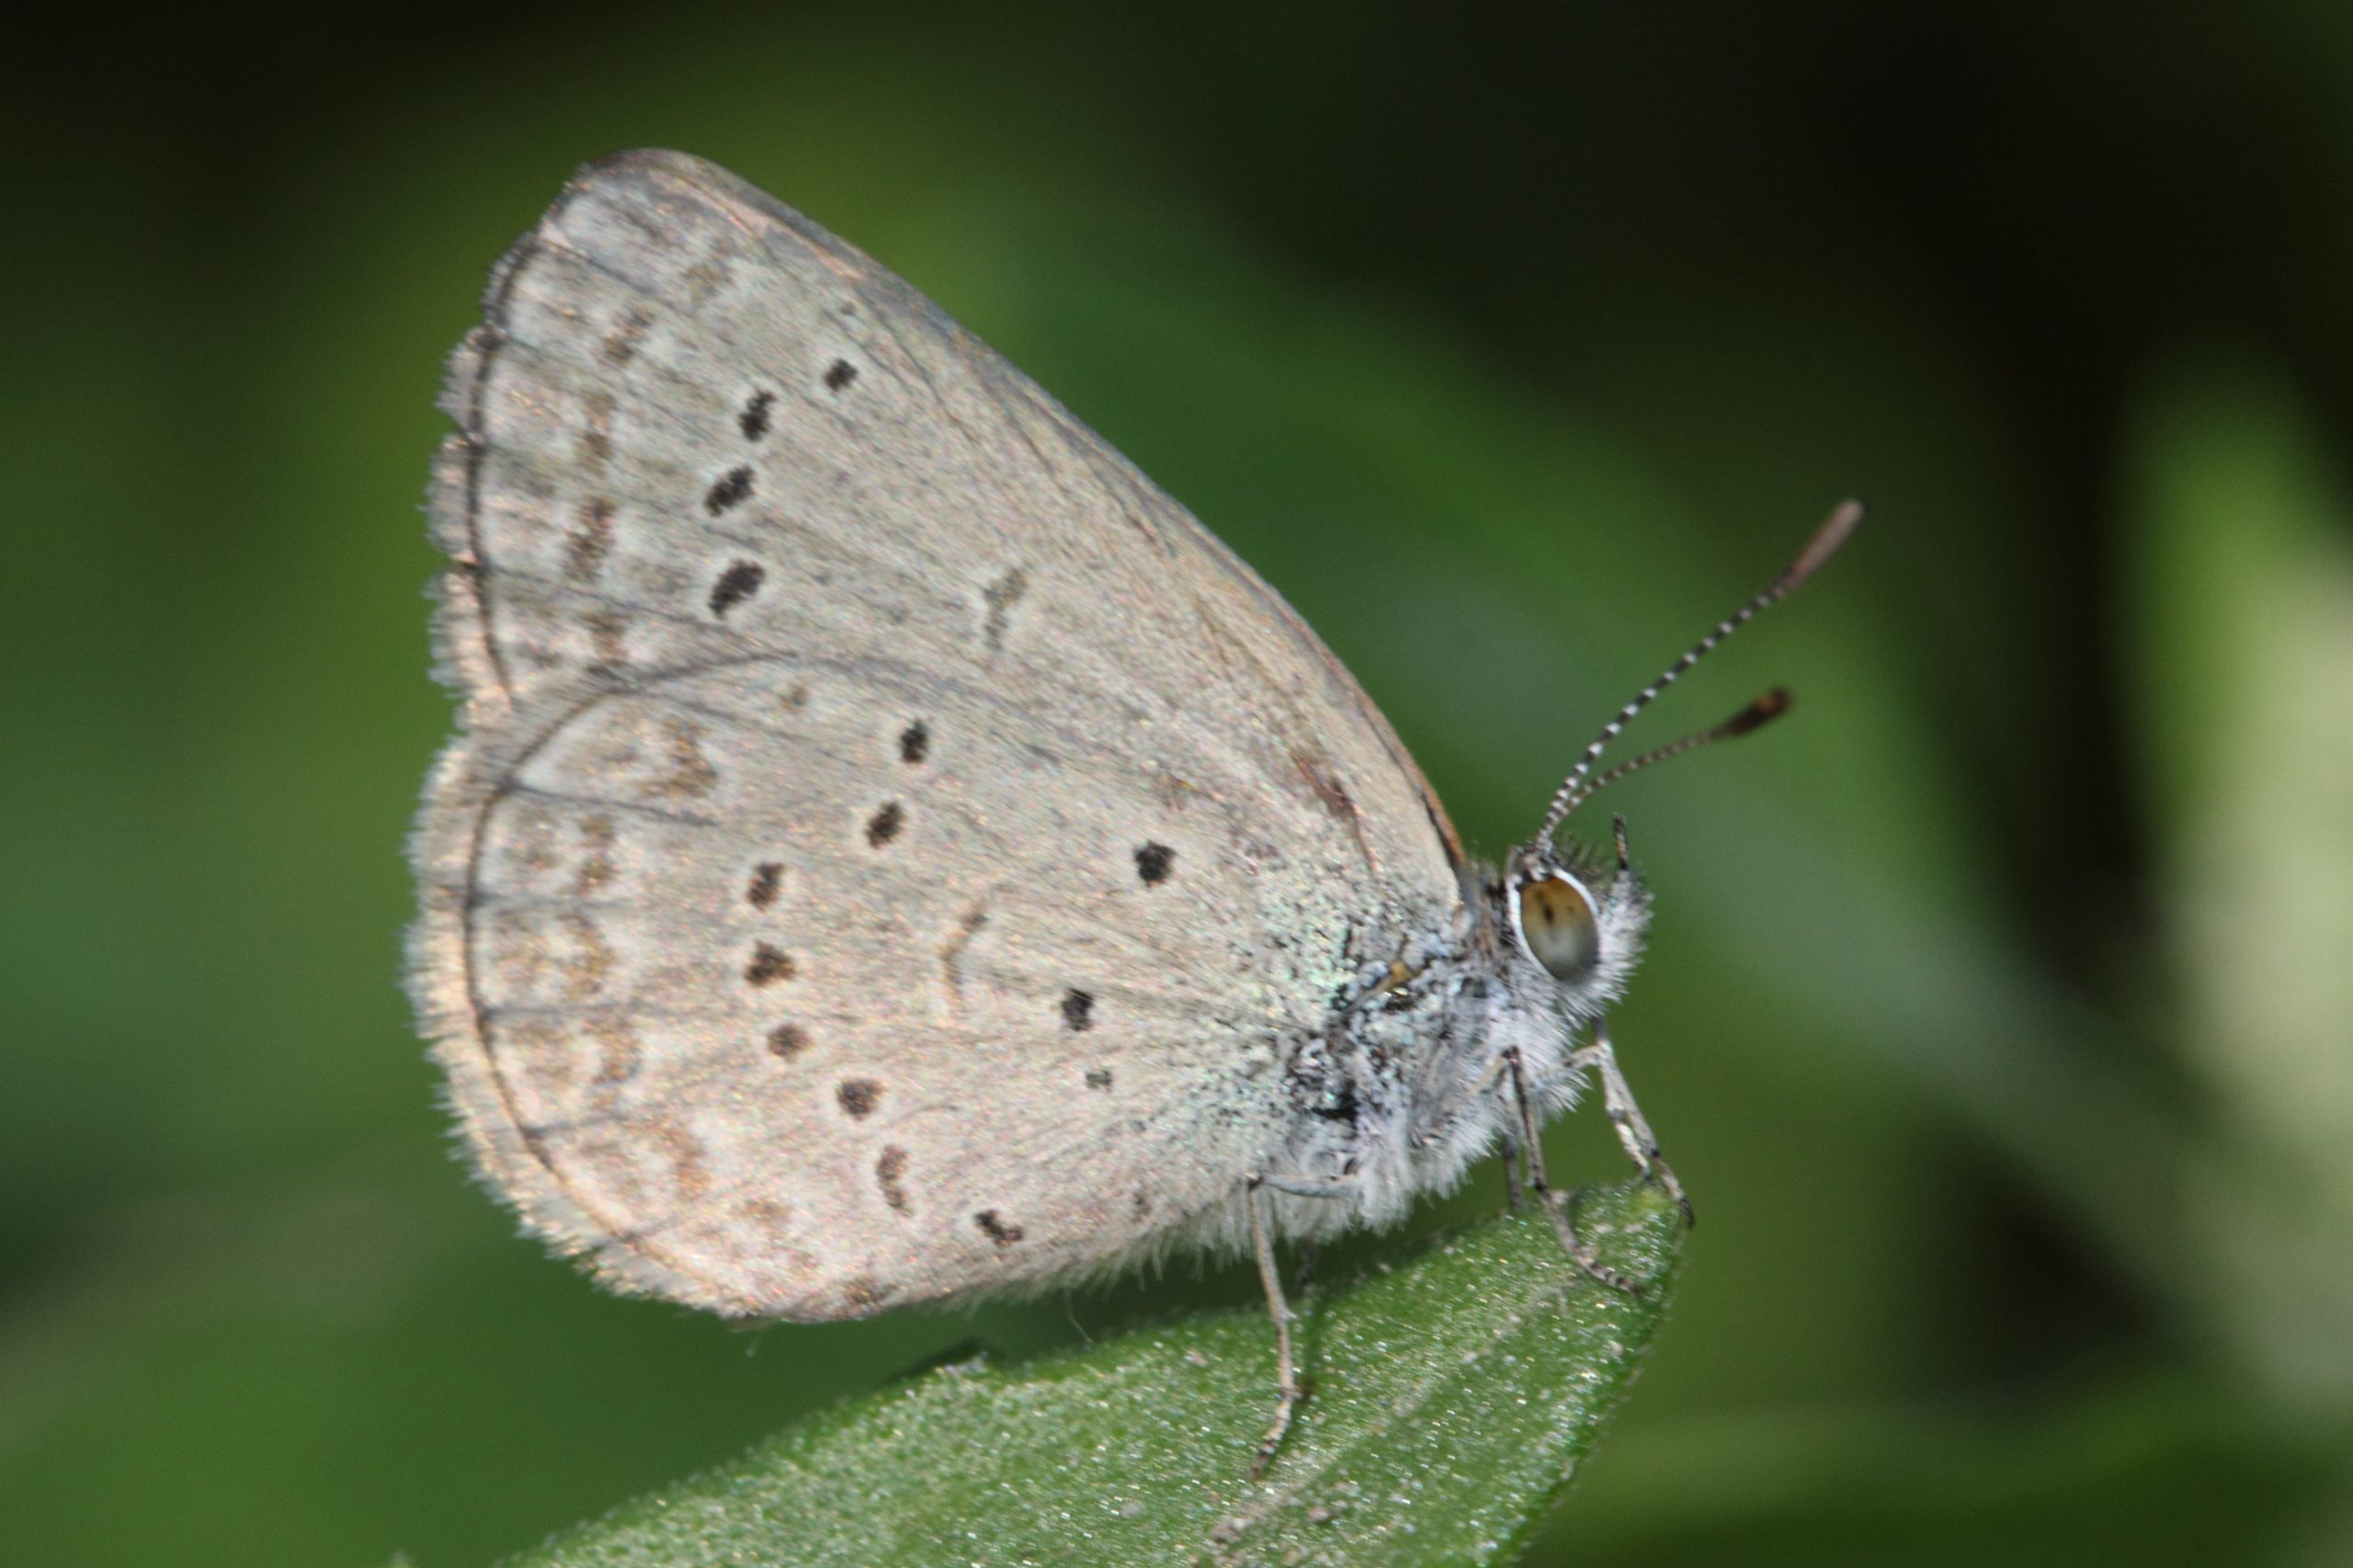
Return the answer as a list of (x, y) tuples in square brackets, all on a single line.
[(893, 852)]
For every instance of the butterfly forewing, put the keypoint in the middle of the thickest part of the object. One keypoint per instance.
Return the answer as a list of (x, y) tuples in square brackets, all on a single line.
[(892, 849)]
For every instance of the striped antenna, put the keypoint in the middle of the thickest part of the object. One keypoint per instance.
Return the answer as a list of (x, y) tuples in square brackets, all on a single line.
[(1756, 716), (1575, 791)]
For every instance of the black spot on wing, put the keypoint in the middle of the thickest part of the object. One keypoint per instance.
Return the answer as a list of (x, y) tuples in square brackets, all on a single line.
[(890, 1170), (732, 488), (735, 585), (768, 964)]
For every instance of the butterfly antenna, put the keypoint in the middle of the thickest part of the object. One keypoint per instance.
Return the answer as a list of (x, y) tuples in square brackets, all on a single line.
[(1756, 715), (1576, 791)]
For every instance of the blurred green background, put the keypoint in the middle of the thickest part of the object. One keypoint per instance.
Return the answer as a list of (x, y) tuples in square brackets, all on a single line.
[(2000, 1006)]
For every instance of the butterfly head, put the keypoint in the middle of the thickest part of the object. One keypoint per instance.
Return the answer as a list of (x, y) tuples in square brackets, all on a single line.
[(1578, 917)]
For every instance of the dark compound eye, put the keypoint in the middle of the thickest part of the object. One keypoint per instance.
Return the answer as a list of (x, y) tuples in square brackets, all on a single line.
[(1558, 926)]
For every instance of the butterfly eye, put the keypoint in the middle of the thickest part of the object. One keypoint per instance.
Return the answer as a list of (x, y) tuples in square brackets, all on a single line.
[(1555, 916)]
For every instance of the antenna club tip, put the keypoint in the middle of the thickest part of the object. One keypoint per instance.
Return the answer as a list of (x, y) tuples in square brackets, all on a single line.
[(1827, 540), (1757, 714)]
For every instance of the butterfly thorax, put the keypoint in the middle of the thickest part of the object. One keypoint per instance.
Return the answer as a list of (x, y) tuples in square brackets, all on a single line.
[(1411, 1079)]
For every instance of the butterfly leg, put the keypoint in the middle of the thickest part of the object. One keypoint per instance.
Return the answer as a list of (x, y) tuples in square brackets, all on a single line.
[(1634, 1133), (1286, 1372), (1523, 1159), (1561, 1209)]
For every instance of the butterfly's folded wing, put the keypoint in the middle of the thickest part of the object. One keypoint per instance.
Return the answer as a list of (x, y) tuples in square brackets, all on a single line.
[(892, 850)]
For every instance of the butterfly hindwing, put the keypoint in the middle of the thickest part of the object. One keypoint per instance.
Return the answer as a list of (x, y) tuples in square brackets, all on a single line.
[(892, 850)]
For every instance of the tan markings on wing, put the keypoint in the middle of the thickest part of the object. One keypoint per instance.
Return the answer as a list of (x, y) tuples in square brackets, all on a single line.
[(1290, 730)]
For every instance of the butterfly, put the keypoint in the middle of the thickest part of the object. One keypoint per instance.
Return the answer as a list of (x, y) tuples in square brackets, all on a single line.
[(891, 852)]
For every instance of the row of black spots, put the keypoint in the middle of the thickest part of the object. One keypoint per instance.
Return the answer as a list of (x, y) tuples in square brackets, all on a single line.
[(757, 417), (858, 1097), (1078, 1017), (1153, 863)]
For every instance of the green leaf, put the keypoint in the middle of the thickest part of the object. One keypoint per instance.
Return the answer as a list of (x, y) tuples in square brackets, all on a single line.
[(1452, 1396)]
